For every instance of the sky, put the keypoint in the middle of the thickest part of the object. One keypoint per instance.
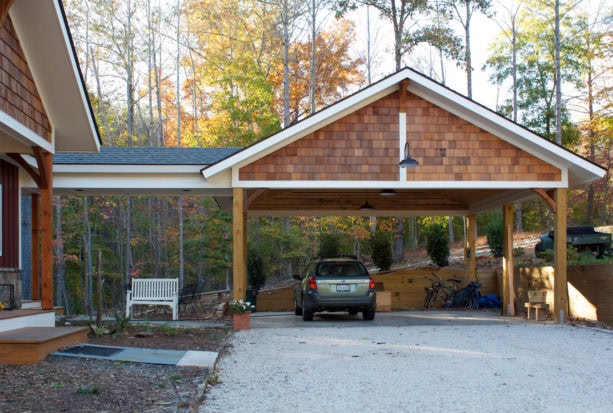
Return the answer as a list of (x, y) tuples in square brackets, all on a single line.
[(483, 31)]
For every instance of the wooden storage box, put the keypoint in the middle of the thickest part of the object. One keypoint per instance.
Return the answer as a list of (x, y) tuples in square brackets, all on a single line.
[(537, 296), (384, 301)]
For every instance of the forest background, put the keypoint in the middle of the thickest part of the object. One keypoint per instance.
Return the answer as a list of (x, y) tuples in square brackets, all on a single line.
[(228, 73)]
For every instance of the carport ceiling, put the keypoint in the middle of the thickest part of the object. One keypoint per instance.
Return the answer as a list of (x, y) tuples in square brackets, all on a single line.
[(348, 202)]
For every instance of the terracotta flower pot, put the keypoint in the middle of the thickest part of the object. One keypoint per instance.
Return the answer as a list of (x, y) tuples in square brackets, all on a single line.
[(241, 321)]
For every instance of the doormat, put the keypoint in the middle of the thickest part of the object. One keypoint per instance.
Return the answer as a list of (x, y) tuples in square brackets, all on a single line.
[(88, 350)]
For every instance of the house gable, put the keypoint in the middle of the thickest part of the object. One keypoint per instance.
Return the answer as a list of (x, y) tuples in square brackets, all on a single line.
[(20, 98), (365, 146)]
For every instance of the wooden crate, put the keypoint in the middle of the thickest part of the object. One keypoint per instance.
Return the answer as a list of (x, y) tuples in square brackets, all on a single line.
[(384, 301)]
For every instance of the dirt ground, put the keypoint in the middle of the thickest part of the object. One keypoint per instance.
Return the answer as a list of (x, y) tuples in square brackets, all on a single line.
[(72, 384)]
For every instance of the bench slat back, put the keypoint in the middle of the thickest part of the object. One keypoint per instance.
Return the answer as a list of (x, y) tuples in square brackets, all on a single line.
[(152, 288)]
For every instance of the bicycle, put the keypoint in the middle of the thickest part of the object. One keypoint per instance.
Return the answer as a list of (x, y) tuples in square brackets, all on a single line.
[(445, 289)]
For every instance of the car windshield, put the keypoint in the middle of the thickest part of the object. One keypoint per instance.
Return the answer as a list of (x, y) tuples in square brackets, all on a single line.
[(332, 269)]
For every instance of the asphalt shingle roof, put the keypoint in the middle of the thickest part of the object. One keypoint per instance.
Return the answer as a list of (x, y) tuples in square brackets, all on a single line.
[(145, 156)]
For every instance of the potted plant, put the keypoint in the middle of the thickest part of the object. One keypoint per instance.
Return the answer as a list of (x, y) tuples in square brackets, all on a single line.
[(241, 314)]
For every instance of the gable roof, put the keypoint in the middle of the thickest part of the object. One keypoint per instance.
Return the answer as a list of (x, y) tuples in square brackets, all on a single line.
[(579, 170), (45, 39)]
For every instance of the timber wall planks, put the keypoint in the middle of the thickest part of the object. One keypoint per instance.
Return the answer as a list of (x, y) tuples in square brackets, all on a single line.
[(364, 146), (19, 97), (9, 179)]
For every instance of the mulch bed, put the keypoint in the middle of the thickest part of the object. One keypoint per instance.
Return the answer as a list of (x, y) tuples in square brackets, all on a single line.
[(73, 384)]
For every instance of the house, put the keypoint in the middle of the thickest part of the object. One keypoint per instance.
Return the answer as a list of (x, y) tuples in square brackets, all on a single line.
[(44, 109)]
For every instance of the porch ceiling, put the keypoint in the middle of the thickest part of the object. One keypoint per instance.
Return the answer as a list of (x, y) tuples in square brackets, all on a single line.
[(405, 202)]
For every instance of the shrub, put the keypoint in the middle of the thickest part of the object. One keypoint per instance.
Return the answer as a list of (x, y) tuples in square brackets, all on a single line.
[(330, 245), (381, 249), (256, 276), (495, 237), (437, 244)]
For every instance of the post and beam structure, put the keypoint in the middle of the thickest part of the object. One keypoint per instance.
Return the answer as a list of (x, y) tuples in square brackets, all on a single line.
[(469, 250), (35, 247), (560, 287), (239, 245), (508, 287), (45, 162)]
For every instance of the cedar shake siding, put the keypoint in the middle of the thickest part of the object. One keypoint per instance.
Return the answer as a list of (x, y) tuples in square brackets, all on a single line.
[(9, 179), (364, 146), (19, 97)]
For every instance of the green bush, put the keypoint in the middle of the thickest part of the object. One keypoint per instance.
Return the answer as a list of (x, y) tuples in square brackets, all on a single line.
[(381, 249), (256, 276), (330, 245), (494, 233), (437, 244)]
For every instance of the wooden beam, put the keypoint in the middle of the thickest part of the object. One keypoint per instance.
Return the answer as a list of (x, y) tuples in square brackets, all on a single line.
[(239, 245), (547, 197), (35, 247), (43, 170), (507, 261), (5, 5), (46, 227), (29, 169), (255, 195), (469, 250), (404, 84), (560, 287)]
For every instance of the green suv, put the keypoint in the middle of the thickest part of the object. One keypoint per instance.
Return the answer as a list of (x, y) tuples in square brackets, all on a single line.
[(335, 284)]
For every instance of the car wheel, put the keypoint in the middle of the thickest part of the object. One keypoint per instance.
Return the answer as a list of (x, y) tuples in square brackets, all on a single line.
[(353, 311), (306, 314), (297, 308), (369, 314)]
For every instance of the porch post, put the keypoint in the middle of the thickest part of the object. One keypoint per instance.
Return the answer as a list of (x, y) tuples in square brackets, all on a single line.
[(560, 288), (469, 250), (507, 262), (35, 247), (239, 245), (46, 222)]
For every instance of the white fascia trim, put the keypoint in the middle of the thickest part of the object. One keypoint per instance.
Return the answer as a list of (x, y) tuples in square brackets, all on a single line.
[(498, 125), (25, 135), (76, 75), (398, 185), (402, 140), (308, 125)]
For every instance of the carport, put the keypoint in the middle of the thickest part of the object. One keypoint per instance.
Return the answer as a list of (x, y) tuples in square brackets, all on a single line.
[(404, 146)]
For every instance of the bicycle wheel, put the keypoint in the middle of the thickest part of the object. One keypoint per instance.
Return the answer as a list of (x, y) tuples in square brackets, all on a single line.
[(430, 298)]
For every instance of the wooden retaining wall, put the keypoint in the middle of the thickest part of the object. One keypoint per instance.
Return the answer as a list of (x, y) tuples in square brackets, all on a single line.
[(590, 289), (407, 288)]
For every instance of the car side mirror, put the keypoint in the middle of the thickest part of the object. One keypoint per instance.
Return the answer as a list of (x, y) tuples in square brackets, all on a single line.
[(297, 277)]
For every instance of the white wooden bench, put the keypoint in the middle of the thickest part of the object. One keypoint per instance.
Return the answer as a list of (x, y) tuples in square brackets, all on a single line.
[(154, 291)]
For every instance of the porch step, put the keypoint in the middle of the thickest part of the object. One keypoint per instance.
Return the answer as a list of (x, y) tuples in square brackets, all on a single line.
[(12, 320), (32, 344), (31, 305)]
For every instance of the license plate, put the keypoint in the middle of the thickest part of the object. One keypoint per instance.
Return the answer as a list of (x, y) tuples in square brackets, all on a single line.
[(342, 287)]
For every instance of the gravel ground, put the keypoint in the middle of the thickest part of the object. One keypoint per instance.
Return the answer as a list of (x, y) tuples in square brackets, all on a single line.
[(512, 367)]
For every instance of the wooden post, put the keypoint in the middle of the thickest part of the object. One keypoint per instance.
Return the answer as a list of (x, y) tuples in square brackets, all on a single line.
[(239, 245), (560, 287), (46, 222), (469, 250), (35, 247), (507, 262)]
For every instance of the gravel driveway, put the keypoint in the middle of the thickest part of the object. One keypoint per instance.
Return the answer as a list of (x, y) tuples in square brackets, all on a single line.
[(414, 362)]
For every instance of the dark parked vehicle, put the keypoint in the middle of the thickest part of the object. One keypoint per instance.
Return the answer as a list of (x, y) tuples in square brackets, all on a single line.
[(335, 284), (584, 238)]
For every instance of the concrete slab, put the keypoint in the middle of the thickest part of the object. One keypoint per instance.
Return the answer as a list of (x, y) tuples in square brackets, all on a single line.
[(199, 359), (204, 359)]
